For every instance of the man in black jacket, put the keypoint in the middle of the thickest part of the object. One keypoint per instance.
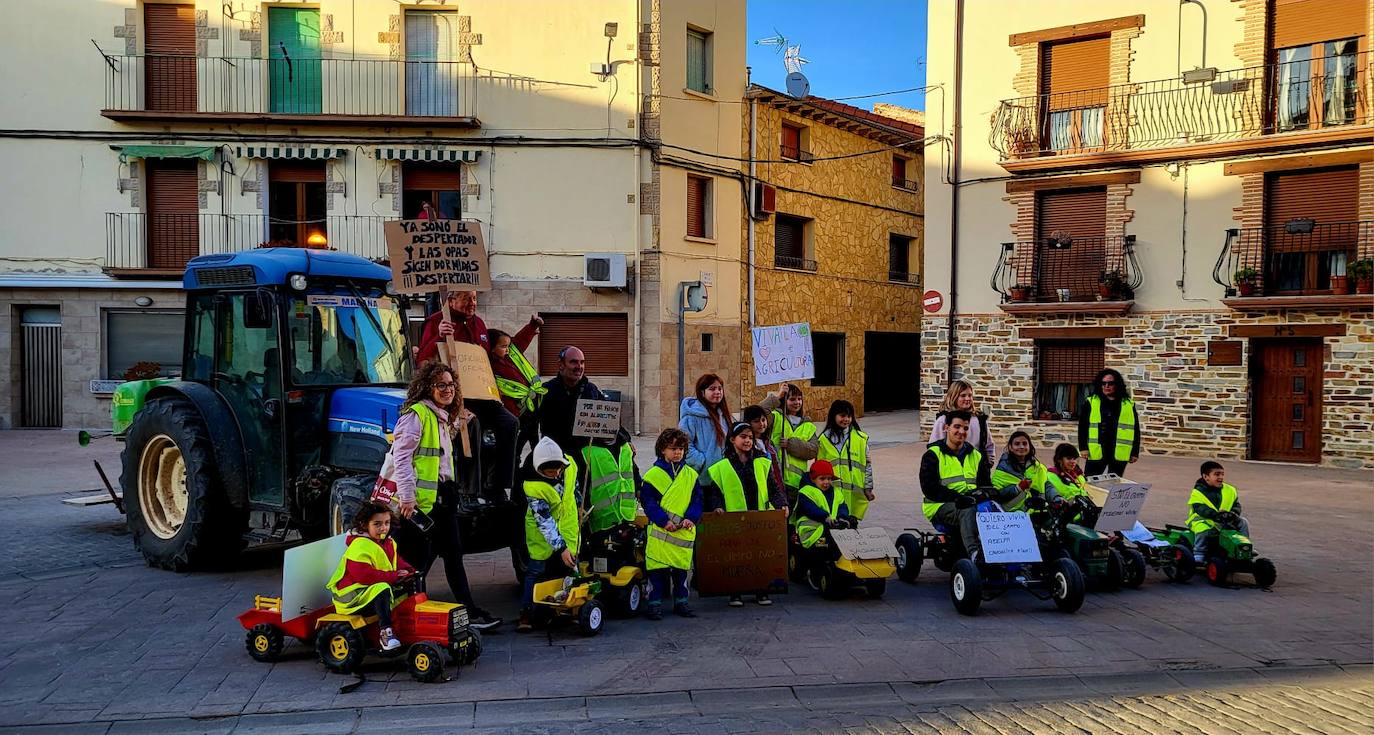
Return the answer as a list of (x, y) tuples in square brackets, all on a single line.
[(951, 470), (558, 410)]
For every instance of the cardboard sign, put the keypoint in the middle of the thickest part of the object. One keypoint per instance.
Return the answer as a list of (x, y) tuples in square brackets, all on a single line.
[(596, 419), (783, 353), (1007, 538), (429, 255), (304, 572), (742, 553), (1122, 507), (863, 543), (473, 367)]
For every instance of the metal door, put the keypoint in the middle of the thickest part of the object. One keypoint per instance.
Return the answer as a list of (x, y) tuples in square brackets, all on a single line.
[(41, 368)]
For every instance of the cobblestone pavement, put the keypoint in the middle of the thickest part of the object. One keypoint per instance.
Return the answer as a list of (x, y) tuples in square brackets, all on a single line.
[(104, 641)]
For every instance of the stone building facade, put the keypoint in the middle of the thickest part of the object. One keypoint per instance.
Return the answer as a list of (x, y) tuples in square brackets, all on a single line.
[(856, 276)]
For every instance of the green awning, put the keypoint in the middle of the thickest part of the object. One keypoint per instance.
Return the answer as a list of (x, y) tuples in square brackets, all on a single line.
[(203, 152)]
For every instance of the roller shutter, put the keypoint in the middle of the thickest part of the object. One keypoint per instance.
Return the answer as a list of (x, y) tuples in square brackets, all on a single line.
[(1325, 195), (604, 338), (170, 57), (1300, 22), (430, 177), (173, 213), (697, 206), (1075, 73)]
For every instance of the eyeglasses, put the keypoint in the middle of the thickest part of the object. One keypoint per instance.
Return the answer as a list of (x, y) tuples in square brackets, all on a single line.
[(1109, 382), (445, 386)]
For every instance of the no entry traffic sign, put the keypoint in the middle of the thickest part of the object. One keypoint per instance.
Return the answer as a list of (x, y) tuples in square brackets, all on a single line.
[(933, 301)]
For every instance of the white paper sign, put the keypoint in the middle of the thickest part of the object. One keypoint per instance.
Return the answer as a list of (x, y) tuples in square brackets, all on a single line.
[(1007, 538), (596, 419), (783, 353), (305, 571), (1142, 535), (1122, 507), (863, 543)]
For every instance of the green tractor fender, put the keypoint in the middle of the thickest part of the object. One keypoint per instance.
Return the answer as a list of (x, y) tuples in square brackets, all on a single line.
[(1235, 545), (228, 444), (1081, 542)]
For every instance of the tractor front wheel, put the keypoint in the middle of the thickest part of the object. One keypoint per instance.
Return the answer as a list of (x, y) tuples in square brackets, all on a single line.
[(1067, 587), (178, 513), (1264, 572), (910, 556), (966, 587), (426, 662), (473, 650)]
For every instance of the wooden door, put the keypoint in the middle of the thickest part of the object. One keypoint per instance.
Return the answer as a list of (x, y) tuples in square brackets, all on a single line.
[(173, 212), (169, 49), (1287, 379)]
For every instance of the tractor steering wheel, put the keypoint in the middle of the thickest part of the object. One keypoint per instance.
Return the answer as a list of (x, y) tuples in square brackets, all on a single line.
[(239, 381)]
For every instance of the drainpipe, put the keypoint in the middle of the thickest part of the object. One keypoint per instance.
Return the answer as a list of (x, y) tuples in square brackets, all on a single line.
[(749, 216), (957, 135), (635, 218)]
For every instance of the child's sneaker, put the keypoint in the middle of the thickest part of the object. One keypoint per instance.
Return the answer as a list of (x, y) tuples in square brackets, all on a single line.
[(736, 601), (764, 600), (524, 625), (683, 610), (388, 640), (655, 612)]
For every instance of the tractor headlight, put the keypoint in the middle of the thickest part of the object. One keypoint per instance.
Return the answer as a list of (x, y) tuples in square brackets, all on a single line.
[(297, 281)]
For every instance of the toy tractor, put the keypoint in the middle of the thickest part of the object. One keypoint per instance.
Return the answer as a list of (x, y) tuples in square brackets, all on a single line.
[(571, 598), (1174, 560), (616, 559), (1066, 528), (1229, 552), (293, 375), (842, 561), (429, 631)]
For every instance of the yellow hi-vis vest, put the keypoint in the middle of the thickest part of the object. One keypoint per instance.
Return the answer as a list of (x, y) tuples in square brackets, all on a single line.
[(356, 596), (610, 487), (427, 458), (809, 531), (671, 549), (562, 500), (961, 477), (723, 475), (1037, 473), (528, 394), (1056, 487), (793, 467), (1125, 430), (1198, 524), (849, 469)]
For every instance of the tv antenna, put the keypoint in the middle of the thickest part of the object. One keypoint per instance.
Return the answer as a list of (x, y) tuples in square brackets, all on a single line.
[(797, 84)]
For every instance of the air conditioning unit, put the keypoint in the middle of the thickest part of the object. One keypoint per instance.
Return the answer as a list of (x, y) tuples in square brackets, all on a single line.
[(604, 270), (765, 200)]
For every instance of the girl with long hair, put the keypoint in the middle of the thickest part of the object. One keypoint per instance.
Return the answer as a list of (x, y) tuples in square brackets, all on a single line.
[(960, 397), (706, 418), (845, 447)]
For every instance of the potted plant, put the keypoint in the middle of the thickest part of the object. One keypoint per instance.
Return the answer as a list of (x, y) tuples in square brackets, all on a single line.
[(1021, 292), (143, 370), (1245, 279), (1363, 271), (1112, 286)]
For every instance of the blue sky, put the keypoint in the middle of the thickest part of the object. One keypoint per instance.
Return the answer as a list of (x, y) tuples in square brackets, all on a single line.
[(854, 46)]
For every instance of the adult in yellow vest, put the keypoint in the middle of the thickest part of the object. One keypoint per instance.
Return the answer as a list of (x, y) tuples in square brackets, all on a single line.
[(793, 434), (1213, 505), (1109, 426), (552, 523), (1019, 476), (422, 451), (845, 447), (368, 568), (743, 480), (951, 472), (672, 502)]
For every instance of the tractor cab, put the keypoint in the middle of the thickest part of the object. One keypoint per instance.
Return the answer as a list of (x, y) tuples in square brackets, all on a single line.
[(295, 369)]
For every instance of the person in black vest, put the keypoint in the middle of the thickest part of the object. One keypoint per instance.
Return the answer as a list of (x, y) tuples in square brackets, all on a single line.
[(559, 407)]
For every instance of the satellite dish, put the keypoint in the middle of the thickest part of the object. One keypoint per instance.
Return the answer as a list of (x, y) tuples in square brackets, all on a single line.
[(797, 86)]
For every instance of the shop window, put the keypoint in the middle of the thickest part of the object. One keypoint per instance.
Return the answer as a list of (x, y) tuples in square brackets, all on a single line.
[(142, 344)]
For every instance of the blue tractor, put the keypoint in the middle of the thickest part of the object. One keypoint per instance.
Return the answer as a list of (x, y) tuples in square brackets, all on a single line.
[(295, 364)]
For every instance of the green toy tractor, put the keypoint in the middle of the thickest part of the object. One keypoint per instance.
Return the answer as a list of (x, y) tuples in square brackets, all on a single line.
[(1067, 528), (1229, 552)]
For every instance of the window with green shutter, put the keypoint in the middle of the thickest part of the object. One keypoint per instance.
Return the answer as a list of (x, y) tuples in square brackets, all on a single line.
[(699, 61), (293, 66)]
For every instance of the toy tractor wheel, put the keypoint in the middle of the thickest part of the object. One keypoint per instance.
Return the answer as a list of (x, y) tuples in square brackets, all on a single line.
[(346, 496), (178, 512), (1116, 571), (629, 600), (426, 662), (473, 650), (834, 583), (1217, 573), (341, 647), (966, 587), (1180, 566), (590, 618), (1067, 587), (875, 588), (945, 556), (796, 571), (264, 643), (1264, 572), (1135, 569), (910, 556)]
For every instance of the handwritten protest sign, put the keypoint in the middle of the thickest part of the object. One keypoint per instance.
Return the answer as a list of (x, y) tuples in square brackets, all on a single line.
[(783, 353), (1122, 507), (742, 553), (429, 255), (596, 419), (473, 367), (1007, 538), (863, 543)]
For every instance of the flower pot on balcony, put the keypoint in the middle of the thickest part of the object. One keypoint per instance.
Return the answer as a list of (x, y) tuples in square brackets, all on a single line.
[(1340, 284), (1364, 285), (1020, 293), (1246, 288)]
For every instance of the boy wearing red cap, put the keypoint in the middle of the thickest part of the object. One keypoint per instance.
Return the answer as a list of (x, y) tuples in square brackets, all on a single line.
[(820, 508)]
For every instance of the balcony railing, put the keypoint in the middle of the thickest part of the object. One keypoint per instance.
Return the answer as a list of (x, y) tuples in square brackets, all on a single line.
[(290, 89), (904, 183), (795, 153), (791, 263), (903, 277), (1241, 103), (165, 242), (1299, 258), (1068, 270)]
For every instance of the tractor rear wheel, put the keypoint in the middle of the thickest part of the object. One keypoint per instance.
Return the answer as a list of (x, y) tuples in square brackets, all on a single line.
[(1134, 575), (1180, 566), (264, 642), (178, 513), (426, 662), (909, 557), (346, 496), (1116, 571)]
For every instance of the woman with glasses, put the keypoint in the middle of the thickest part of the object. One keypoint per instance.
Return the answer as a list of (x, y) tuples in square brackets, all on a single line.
[(1108, 426), (422, 452)]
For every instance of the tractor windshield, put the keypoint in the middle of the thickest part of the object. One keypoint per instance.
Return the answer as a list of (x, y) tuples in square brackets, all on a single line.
[(347, 336)]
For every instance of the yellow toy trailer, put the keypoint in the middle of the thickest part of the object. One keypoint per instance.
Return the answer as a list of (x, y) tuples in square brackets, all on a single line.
[(865, 560), (572, 598)]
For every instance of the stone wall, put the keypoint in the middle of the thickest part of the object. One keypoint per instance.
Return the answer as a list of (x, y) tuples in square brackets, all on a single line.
[(1186, 407)]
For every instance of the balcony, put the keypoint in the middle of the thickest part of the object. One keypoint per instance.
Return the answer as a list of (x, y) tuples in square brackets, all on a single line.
[(796, 153), (1285, 104), (903, 277), (247, 90), (1097, 275), (1300, 263), (796, 264), (139, 244)]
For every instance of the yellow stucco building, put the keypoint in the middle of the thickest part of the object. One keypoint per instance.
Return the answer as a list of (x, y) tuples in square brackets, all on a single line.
[(835, 240)]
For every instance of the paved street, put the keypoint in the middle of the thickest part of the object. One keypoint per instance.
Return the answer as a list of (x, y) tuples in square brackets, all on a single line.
[(108, 640)]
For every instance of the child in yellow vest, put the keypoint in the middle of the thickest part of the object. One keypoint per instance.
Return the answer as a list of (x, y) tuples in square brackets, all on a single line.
[(845, 447), (552, 524), (368, 568), (672, 502)]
